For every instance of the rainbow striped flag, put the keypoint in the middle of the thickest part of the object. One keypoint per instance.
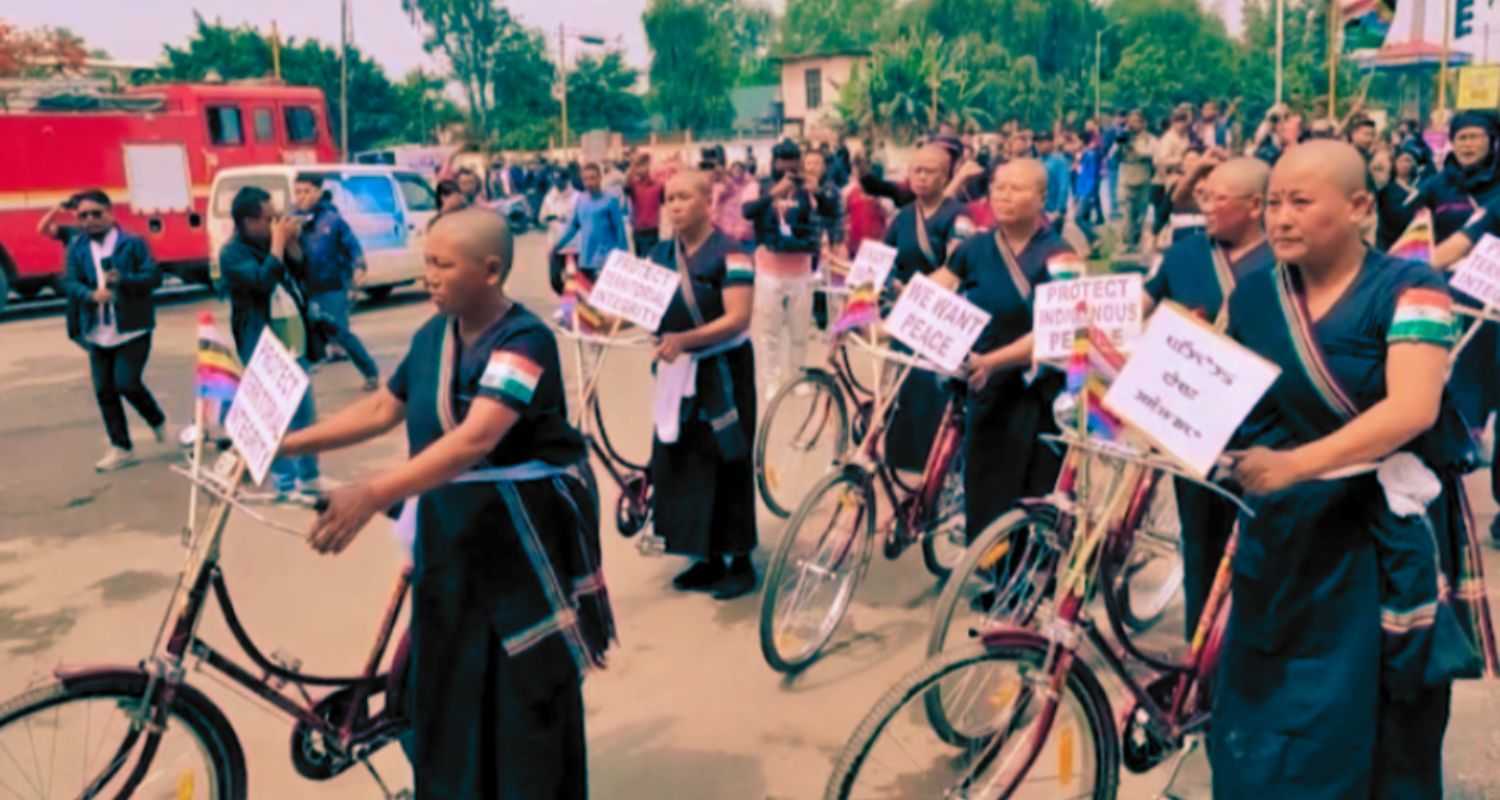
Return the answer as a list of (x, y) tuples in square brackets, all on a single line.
[(1416, 242), (576, 312), (1092, 367), (863, 308), (216, 376)]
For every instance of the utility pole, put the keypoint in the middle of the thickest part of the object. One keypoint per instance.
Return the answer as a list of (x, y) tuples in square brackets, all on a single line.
[(1442, 101), (562, 77), (344, 78), (275, 51), (1335, 45)]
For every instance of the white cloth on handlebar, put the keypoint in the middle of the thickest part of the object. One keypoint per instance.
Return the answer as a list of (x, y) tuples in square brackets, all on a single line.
[(677, 380)]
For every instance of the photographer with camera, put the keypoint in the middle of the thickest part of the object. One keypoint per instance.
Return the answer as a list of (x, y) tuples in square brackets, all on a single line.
[(787, 231)]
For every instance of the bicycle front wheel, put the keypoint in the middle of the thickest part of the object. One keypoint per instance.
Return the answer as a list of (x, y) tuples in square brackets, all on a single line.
[(822, 557), (805, 429), (81, 737), (1018, 744)]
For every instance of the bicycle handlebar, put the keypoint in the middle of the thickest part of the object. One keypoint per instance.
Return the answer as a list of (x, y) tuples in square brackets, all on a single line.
[(916, 362), (632, 341), (1125, 452)]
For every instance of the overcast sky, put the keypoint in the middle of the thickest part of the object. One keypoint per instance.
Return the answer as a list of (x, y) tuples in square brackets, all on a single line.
[(131, 32)]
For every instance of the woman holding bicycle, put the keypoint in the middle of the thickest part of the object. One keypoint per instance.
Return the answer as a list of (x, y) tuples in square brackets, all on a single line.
[(701, 462), (508, 600), (1003, 459), (1336, 668)]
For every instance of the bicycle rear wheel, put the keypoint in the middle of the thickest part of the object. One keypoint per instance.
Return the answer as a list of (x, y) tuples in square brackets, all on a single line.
[(79, 737), (822, 557), (1018, 743), (1003, 579), (805, 429)]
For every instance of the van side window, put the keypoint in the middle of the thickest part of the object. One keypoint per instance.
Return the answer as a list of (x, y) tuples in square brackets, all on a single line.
[(419, 196), (265, 130), (369, 194), (224, 127), (301, 125)]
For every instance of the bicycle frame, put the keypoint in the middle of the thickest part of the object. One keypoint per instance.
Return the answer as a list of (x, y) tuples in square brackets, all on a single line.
[(167, 668)]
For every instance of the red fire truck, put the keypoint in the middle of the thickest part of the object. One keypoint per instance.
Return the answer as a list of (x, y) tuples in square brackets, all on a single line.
[(155, 150)]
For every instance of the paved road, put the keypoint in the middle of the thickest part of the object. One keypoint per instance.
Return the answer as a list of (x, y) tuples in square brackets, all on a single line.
[(687, 708)]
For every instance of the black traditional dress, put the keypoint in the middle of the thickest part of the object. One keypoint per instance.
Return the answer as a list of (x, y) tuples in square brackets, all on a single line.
[(1333, 682), (1197, 274), (508, 600), (1004, 460), (922, 244), (704, 505)]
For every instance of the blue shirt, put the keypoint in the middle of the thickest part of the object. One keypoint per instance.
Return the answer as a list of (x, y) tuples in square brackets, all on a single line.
[(1086, 179), (330, 250), (1059, 177), (600, 220)]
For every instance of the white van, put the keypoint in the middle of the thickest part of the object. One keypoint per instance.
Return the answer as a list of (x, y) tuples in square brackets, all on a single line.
[(388, 210)]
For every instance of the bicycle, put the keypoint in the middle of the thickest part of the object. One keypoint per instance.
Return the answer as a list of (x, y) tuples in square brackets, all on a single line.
[(169, 738), (1015, 696), (825, 551), (633, 509), (1005, 575), (809, 421)]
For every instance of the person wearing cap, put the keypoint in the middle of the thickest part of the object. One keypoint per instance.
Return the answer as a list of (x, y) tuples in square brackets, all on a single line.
[(1464, 198), (787, 231)]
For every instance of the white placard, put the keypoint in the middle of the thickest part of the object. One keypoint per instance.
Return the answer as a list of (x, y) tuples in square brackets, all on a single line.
[(269, 393), (935, 323), (1187, 388), (1111, 303), (634, 288), (1478, 275), (872, 264)]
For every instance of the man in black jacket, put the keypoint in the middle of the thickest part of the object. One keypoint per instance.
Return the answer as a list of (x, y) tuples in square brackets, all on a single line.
[(786, 239), (108, 280), (255, 268)]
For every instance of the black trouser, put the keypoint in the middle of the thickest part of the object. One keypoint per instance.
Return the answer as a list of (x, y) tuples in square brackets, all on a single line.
[(117, 373), (645, 241)]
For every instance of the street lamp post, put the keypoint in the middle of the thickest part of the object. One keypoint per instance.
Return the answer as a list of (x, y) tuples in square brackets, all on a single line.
[(1099, 70)]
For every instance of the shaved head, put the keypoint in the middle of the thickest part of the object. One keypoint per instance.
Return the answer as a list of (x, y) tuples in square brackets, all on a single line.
[(477, 234), (1025, 169), (931, 168), (1333, 162), (1241, 176), (693, 180), (1316, 204)]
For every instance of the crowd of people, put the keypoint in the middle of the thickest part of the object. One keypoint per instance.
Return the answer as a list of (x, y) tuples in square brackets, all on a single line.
[(1352, 613)]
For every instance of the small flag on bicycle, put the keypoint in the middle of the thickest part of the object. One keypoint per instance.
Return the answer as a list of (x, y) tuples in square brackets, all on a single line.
[(1416, 242), (576, 313), (217, 375), (862, 309)]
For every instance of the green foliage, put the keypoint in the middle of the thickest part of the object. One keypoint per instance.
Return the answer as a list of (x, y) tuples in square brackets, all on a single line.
[(490, 51), (599, 95), (1160, 38), (831, 26), (1305, 63), (693, 64), (235, 53), (425, 109)]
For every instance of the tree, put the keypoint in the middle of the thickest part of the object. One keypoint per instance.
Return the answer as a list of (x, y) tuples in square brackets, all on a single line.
[(376, 115), (831, 26), (693, 65), (1305, 59), (36, 53), (1160, 35), (751, 25), (600, 97), (487, 49), (425, 109)]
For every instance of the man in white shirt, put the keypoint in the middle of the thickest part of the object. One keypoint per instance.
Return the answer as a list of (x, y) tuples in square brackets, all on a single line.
[(109, 279)]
